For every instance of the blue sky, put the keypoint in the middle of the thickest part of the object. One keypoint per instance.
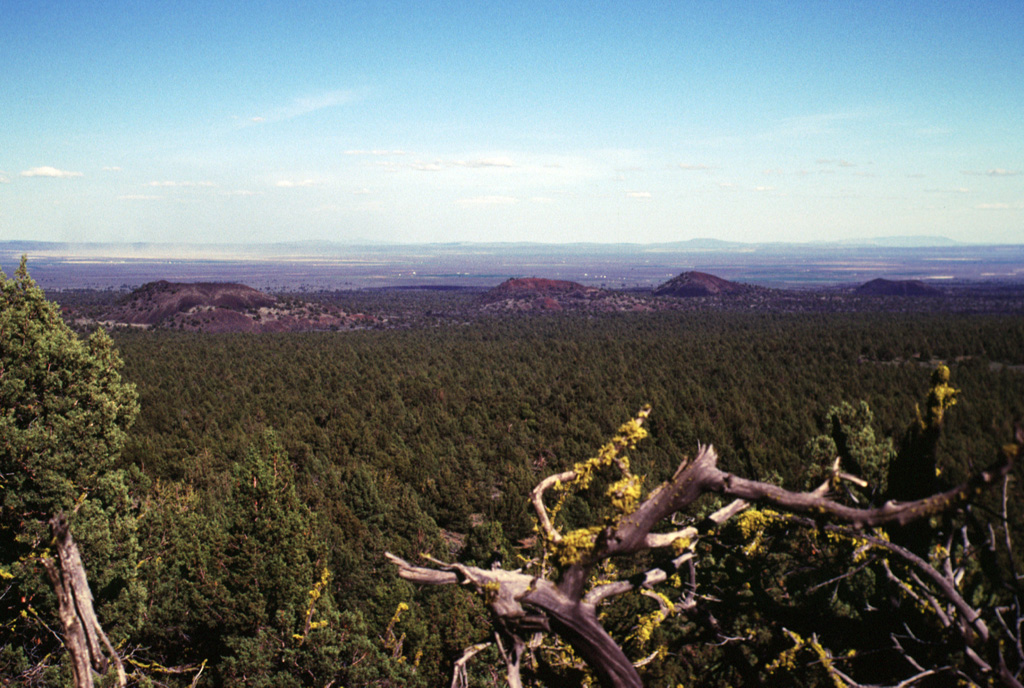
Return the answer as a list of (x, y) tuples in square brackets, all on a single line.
[(536, 121)]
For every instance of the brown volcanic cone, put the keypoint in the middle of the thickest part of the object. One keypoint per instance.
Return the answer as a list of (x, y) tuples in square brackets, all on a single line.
[(156, 301), (534, 287), (884, 287), (700, 284)]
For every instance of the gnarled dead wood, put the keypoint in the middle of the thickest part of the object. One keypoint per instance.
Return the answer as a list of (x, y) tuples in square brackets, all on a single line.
[(83, 634), (523, 604)]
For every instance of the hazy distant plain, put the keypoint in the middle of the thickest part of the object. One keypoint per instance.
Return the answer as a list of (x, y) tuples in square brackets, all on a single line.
[(286, 267)]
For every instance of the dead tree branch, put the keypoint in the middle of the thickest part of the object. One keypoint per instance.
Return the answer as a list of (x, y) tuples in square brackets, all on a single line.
[(523, 604), (83, 634)]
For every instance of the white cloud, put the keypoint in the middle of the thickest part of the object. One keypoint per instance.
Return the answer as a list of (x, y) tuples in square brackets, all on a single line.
[(484, 162), (993, 173), (111, 168), (488, 200), (4, 179), (834, 162), (49, 172), (999, 206), (180, 184), (375, 151), (304, 106), (764, 188), (362, 192), (638, 194), (289, 184), (479, 163), (139, 197), (961, 189)]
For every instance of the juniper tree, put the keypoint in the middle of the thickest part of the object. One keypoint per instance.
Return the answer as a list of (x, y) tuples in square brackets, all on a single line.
[(64, 413)]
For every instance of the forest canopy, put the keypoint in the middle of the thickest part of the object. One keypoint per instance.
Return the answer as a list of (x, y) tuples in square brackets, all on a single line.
[(266, 475)]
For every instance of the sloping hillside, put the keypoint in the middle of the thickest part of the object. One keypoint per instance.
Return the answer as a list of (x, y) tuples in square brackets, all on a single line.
[(536, 287), (155, 302), (538, 294), (884, 287), (225, 307), (694, 283)]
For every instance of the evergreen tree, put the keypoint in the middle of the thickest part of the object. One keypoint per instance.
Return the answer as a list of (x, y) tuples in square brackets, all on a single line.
[(64, 412)]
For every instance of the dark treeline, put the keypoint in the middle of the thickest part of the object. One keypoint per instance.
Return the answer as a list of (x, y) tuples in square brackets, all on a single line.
[(269, 473)]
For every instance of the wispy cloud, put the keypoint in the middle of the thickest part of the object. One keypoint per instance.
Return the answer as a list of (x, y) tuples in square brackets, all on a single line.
[(477, 163), (304, 106), (999, 206), (180, 184), (139, 197), (638, 194), (817, 124), (483, 162), (292, 184), (4, 178), (764, 188), (961, 189), (835, 162), (694, 167), (111, 168), (487, 200), (993, 173), (49, 172), (375, 151)]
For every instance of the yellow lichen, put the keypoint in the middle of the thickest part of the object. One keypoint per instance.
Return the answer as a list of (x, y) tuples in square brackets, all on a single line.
[(574, 545), (680, 545), (625, 493), (490, 591), (787, 659), (647, 623)]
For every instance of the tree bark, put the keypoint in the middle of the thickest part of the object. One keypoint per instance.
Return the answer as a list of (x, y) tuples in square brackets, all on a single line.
[(83, 634)]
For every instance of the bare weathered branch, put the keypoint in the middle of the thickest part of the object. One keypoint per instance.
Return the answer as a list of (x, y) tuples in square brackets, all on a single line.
[(460, 678), (83, 634), (523, 603), (537, 499)]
